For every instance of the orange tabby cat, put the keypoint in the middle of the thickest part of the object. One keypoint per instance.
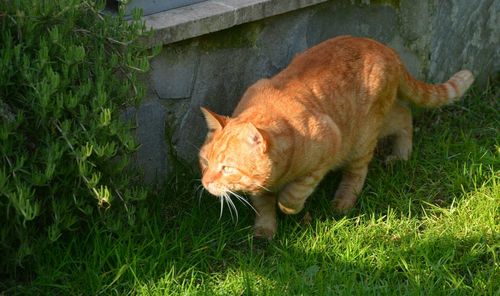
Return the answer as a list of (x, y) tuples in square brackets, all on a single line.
[(326, 110)]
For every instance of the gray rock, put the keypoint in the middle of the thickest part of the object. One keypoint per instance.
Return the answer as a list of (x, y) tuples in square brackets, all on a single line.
[(343, 18), (465, 35), (150, 133), (291, 31), (173, 72)]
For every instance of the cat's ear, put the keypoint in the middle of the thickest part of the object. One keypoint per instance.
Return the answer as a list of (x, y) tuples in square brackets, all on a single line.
[(215, 122), (256, 137)]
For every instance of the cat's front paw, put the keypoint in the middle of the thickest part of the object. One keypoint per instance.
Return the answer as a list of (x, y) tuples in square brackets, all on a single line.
[(342, 204), (391, 159), (264, 232), (401, 153)]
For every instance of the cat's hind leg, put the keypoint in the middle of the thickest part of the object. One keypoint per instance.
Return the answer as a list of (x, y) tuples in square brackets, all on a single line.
[(292, 198), (353, 179), (398, 123), (265, 219)]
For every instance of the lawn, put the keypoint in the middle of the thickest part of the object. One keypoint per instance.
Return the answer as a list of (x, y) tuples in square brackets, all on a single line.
[(428, 226)]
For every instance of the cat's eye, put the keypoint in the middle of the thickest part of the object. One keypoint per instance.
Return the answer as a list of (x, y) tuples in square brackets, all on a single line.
[(228, 170)]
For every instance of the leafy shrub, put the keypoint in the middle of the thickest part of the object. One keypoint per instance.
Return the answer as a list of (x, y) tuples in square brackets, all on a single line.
[(66, 73)]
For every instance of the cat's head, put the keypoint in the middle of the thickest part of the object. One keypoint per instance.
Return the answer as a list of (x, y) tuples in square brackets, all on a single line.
[(234, 156)]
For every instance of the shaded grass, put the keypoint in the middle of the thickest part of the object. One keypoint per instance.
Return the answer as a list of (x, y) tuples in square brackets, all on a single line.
[(429, 226)]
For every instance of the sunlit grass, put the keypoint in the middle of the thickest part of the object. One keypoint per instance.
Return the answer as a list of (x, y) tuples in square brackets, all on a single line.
[(429, 226)]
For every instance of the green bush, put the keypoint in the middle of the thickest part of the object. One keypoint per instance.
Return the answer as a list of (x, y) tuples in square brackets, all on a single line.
[(67, 72)]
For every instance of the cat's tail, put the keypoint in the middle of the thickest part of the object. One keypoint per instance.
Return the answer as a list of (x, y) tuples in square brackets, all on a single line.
[(434, 95)]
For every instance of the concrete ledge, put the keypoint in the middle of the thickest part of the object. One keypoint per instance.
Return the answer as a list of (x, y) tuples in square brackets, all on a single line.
[(214, 15)]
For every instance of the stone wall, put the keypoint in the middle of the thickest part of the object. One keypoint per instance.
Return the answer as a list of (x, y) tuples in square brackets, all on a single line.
[(434, 38)]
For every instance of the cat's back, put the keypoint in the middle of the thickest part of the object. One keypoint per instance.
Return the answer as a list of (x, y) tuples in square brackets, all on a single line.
[(338, 75), (340, 61)]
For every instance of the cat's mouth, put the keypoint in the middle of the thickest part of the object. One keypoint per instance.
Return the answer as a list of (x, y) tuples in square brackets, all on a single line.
[(218, 191), (225, 196)]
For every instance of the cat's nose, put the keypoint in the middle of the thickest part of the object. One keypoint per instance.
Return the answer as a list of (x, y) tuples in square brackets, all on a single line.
[(206, 180)]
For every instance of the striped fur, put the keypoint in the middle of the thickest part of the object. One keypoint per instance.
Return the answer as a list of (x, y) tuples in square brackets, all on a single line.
[(434, 95), (326, 110)]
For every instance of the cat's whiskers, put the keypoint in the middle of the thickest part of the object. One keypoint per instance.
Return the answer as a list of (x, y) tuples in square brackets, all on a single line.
[(199, 192), (221, 207), (263, 187), (194, 146), (243, 200), (231, 206), (224, 198)]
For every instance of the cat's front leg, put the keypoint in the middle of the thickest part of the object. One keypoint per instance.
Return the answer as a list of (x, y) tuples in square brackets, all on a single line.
[(292, 198), (353, 179), (265, 218)]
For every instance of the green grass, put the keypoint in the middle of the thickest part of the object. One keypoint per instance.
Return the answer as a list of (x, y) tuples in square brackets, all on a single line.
[(429, 226)]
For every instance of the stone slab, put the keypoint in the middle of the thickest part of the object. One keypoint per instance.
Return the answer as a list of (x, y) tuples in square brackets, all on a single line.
[(214, 15)]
